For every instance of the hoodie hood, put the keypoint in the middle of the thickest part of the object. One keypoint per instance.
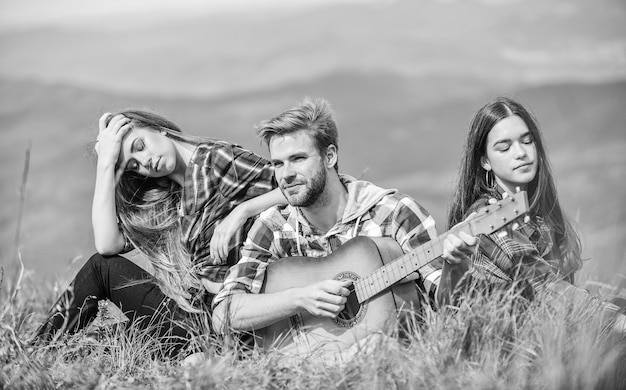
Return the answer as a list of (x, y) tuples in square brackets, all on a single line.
[(362, 196)]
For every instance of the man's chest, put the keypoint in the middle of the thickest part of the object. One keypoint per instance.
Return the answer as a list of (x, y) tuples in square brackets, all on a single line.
[(306, 242)]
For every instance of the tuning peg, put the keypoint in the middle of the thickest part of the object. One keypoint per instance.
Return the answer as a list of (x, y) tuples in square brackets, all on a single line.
[(505, 195), (515, 226), (502, 234), (526, 219), (517, 189)]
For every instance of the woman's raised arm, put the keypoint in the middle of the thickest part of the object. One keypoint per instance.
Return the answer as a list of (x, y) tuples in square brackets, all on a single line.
[(108, 238)]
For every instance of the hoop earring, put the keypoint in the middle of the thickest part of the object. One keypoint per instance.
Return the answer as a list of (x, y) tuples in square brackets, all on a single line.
[(489, 180)]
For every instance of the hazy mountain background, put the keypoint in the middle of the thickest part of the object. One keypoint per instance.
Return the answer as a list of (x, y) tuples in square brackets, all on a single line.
[(404, 78)]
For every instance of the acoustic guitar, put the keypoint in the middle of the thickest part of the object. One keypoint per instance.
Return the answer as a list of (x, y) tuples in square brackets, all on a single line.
[(376, 267)]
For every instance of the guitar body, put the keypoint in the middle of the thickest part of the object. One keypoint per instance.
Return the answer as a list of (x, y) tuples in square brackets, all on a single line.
[(306, 335), (380, 291)]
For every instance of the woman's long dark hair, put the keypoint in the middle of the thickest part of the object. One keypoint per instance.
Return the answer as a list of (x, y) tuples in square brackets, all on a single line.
[(148, 211), (542, 192)]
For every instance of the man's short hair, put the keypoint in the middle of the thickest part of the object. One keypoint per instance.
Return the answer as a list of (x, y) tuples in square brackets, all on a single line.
[(313, 115)]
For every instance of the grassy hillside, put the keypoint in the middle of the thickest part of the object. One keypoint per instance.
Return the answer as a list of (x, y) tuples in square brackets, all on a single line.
[(485, 343)]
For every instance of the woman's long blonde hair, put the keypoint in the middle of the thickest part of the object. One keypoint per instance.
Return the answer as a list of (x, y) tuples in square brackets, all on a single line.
[(148, 212)]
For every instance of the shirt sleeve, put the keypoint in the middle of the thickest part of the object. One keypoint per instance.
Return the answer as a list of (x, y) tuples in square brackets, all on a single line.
[(233, 176), (509, 254), (248, 275), (414, 226)]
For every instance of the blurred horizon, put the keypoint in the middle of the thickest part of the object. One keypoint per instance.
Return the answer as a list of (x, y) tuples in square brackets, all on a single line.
[(403, 77)]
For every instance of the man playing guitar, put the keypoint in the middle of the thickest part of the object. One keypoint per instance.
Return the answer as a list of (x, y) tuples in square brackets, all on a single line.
[(326, 209)]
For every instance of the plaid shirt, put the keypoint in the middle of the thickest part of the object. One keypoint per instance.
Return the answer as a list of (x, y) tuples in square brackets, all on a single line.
[(219, 177), (526, 252), (283, 231)]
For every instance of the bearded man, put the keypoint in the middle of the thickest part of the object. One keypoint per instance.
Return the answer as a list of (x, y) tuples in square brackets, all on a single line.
[(325, 210)]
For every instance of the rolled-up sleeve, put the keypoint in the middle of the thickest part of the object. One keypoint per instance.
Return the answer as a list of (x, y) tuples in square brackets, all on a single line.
[(414, 226)]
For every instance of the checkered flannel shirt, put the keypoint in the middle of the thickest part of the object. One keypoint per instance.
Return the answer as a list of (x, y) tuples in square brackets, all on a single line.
[(525, 252), (283, 232), (219, 177)]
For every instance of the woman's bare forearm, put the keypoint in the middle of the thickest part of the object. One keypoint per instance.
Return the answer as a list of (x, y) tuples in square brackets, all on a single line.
[(108, 238)]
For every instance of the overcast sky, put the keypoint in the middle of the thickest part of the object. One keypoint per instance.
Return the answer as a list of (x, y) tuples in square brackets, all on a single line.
[(22, 14)]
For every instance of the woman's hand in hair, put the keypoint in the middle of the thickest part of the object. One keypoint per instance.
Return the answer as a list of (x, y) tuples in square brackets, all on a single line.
[(107, 235), (112, 130)]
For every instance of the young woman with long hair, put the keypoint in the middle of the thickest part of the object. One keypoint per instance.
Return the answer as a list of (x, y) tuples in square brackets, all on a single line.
[(504, 152), (186, 203)]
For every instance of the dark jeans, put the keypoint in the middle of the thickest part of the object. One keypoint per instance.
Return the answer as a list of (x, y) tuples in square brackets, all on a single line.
[(107, 278)]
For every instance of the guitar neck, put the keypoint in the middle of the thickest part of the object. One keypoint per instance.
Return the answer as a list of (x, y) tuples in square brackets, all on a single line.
[(489, 219), (389, 274)]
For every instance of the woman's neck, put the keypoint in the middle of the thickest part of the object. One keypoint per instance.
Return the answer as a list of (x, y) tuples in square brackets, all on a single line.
[(184, 151)]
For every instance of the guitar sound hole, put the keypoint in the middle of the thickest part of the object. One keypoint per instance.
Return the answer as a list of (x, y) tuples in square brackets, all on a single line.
[(352, 313), (352, 307)]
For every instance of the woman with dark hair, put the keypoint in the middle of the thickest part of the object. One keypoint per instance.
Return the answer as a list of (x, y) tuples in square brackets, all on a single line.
[(186, 203), (504, 153)]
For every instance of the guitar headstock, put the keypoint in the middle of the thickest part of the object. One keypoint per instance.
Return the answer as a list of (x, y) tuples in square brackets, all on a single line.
[(495, 216)]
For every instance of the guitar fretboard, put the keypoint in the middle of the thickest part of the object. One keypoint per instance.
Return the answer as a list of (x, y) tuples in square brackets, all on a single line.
[(385, 276), (492, 218)]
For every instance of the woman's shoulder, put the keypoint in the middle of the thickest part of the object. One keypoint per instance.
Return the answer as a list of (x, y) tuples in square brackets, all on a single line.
[(201, 154), (229, 151), (206, 151), (209, 146)]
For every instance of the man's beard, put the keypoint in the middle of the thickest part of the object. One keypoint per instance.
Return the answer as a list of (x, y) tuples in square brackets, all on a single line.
[(312, 192)]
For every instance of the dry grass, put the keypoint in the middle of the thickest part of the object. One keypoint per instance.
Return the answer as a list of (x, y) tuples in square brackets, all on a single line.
[(489, 344)]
